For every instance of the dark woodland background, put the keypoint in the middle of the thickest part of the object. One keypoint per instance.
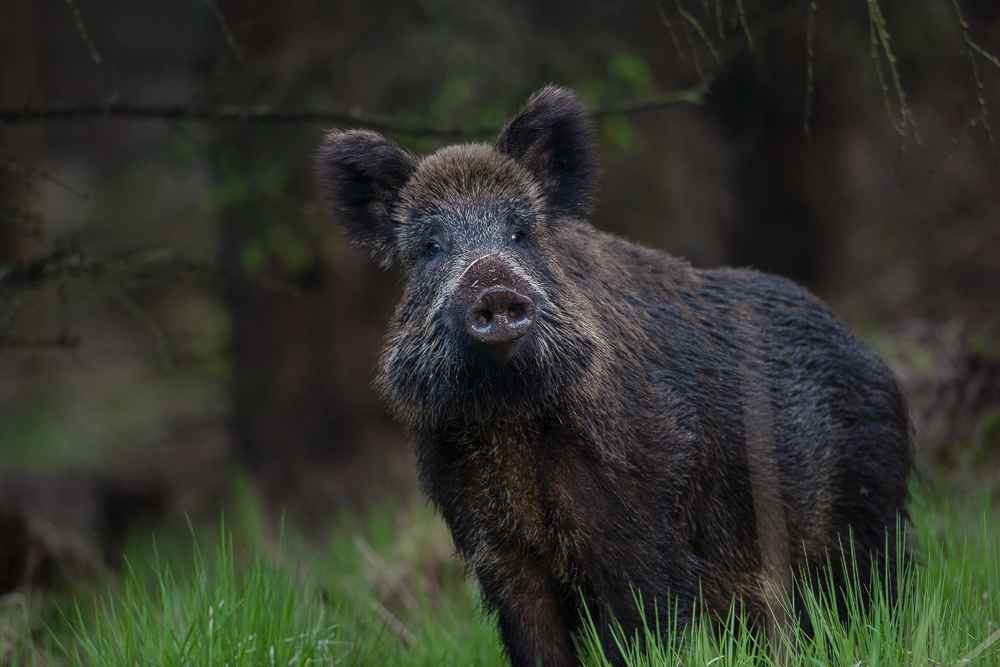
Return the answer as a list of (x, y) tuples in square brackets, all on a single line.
[(179, 315)]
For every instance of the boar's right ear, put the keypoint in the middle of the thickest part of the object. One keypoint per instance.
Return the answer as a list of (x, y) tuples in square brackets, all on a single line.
[(553, 136), (361, 174)]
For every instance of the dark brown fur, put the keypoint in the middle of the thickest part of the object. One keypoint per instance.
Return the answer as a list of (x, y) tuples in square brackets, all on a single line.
[(605, 452)]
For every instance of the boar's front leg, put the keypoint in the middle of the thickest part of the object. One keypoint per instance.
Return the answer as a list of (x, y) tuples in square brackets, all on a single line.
[(535, 621)]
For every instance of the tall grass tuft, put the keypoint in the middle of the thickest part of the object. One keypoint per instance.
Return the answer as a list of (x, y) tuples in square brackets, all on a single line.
[(218, 616)]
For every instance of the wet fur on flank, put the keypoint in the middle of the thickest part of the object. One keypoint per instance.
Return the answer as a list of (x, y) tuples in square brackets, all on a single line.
[(607, 452)]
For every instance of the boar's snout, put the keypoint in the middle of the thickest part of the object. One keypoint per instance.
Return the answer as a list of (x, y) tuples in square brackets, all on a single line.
[(494, 302), (500, 315)]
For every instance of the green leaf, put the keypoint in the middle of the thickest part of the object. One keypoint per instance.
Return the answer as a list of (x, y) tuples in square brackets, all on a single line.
[(456, 91), (633, 70), (622, 133), (253, 257)]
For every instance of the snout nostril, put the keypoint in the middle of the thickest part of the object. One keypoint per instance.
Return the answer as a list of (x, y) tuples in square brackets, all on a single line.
[(517, 311)]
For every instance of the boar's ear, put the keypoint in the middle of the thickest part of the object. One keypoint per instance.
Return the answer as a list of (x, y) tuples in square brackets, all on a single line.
[(361, 174), (553, 136)]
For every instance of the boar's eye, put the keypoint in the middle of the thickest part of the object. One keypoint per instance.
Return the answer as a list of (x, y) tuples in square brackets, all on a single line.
[(433, 248), (517, 237)]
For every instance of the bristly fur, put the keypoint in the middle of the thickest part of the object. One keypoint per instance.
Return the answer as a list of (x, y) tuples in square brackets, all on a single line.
[(606, 450)]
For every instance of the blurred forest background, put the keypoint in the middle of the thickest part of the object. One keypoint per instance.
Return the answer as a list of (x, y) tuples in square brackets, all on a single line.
[(179, 315)]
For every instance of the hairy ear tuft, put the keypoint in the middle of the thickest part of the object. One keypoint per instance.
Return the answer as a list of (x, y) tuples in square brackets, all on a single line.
[(360, 175), (554, 137)]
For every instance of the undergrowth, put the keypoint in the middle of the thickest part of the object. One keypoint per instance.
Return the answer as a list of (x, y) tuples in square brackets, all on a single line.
[(385, 590)]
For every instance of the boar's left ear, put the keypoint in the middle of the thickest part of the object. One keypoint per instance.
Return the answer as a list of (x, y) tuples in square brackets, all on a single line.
[(361, 174), (553, 136)]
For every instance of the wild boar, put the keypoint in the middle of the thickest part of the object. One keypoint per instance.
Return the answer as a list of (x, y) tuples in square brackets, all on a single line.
[(595, 419)]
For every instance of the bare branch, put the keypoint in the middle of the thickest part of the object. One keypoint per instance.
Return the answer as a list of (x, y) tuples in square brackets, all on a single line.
[(73, 263), (268, 114), (123, 268), (695, 95), (112, 272), (230, 113), (65, 341)]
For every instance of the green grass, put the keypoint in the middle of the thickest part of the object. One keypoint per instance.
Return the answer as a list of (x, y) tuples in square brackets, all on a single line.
[(946, 614), (219, 616), (385, 590)]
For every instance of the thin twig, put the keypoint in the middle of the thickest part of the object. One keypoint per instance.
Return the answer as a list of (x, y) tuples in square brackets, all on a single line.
[(21, 219), (694, 49), (226, 32), (881, 79), (718, 20), (62, 294), (8, 164), (983, 112), (73, 263), (880, 42), (11, 316), (231, 113), (762, 26), (690, 18), (969, 127), (111, 272), (64, 341), (729, 49), (670, 28), (134, 266), (972, 49), (880, 38), (695, 95), (82, 29), (983, 52), (146, 319), (743, 22), (810, 69)]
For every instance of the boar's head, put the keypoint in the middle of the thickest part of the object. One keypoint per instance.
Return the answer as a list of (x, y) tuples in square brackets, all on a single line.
[(492, 320)]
